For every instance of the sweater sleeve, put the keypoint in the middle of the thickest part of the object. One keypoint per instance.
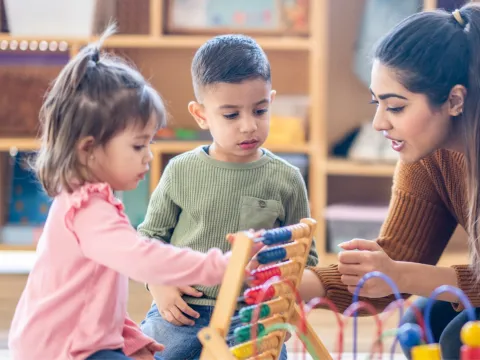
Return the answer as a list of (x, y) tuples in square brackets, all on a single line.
[(297, 208), (162, 212), (134, 338), (417, 229), (105, 236)]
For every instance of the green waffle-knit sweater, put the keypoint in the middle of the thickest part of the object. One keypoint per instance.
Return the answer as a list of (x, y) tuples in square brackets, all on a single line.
[(199, 200)]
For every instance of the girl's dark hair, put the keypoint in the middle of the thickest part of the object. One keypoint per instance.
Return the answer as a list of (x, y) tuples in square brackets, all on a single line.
[(96, 95), (431, 52)]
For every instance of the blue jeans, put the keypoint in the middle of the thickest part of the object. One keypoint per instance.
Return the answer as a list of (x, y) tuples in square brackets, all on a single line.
[(113, 355), (109, 355), (181, 342), (445, 324)]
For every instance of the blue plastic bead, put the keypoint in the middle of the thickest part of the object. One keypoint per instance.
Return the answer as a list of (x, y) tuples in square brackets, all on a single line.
[(270, 255), (277, 236), (409, 335)]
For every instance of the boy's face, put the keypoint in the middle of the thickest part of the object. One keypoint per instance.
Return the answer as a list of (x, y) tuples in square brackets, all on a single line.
[(237, 116)]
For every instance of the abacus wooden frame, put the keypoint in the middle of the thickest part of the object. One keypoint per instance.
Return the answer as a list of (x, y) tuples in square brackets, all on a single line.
[(213, 337)]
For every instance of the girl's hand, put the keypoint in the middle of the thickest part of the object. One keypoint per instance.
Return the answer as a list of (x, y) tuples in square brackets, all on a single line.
[(361, 257), (148, 352)]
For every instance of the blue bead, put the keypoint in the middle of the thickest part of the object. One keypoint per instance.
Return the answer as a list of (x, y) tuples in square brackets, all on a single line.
[(270, 255), (409, 335), (277, 236)]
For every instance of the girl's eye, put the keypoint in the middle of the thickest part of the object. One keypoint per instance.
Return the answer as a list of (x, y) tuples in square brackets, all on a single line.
[(230, 116), (138, 147)]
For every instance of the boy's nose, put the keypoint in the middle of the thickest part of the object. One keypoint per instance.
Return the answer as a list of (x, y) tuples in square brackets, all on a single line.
[(249, 125)]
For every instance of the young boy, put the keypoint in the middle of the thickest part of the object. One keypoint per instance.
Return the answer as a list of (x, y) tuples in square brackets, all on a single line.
[(231, 185)]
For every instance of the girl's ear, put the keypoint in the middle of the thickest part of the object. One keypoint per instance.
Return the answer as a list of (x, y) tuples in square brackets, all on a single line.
[(85, 149)]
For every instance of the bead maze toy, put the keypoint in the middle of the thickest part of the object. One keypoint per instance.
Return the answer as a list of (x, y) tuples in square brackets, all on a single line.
[(273, 307), (271, 303)]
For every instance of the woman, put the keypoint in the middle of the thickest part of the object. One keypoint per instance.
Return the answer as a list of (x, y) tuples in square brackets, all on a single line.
[(426, 85)]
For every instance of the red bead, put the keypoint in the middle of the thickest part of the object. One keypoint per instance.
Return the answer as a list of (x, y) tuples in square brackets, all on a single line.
[(252, 296), (262, 275), (470, 353)]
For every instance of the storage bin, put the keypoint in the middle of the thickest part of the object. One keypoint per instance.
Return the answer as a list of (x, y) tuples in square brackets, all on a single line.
[(58, 18), (346, 222)]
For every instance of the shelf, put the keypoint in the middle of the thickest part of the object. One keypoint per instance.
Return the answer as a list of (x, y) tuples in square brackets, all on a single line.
[(173, 147), (336, 166), (170, 41), (9, 247), (21, 144)]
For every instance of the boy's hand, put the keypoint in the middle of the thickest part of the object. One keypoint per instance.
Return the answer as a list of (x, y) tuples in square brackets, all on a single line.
[(171, 305)]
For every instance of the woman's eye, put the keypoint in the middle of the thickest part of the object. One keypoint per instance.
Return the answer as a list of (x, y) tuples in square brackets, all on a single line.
[(396, 110)]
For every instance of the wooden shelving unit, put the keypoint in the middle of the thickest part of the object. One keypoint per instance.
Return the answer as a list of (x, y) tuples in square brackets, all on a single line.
[(300, 65)]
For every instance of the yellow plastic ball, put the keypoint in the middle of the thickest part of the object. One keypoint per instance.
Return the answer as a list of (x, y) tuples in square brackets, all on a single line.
[(470, 334), (426, 352)]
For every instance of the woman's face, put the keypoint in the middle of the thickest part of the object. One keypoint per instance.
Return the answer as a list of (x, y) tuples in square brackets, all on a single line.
[(414, 128)]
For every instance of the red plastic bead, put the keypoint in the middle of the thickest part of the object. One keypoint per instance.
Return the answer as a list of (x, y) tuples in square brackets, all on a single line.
[(252, 296), (470, 353), (260, 276)]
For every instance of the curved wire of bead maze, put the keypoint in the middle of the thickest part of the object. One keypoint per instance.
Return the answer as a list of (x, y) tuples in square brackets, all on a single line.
[(291, 243)]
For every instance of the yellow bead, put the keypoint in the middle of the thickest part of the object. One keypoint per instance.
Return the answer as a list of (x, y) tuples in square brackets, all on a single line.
[(242, 351), (470, 334), (426, 352)]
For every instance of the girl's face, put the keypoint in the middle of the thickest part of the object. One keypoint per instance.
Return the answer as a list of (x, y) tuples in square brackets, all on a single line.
[(414, 128), (124, 161)]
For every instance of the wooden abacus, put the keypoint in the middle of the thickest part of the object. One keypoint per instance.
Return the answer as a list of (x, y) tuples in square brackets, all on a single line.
[(291, 246)]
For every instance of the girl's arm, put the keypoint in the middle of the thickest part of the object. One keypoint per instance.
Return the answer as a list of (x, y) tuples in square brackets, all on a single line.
[(106, 236)]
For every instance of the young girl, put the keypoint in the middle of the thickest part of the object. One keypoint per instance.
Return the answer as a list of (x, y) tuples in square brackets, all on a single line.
[(98, 121)]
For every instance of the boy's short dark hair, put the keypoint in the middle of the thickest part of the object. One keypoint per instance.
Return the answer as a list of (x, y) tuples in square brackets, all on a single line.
[(229, 59)]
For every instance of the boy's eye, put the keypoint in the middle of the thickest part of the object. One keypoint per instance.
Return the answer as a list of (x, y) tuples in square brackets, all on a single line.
[(138, 147), (230, 116)]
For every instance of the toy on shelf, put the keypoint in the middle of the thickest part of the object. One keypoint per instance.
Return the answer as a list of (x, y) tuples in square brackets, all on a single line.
[(272, 309)]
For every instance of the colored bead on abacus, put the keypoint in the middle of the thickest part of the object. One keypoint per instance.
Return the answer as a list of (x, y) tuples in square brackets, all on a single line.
[(246, 313)]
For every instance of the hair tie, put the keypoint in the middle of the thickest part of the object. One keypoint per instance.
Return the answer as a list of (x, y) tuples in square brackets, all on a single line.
[(458, 17), (96, 57)]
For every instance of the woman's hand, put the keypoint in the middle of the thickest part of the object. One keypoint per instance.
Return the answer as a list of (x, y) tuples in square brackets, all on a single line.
[(361, 257)]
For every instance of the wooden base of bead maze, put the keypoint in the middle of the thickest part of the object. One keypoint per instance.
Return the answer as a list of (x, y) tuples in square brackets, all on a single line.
[(293, 242)]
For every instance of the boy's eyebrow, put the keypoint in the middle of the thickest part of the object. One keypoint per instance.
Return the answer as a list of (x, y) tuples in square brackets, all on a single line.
[(227, 106)]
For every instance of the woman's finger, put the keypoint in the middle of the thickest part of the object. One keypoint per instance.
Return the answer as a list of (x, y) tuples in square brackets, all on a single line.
[(350, 280)]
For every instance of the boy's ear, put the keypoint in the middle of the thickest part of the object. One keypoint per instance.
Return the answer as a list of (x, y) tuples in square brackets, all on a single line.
[(85, 149), (198, 112)]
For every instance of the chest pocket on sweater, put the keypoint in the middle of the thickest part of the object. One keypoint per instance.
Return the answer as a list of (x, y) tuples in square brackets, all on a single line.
[(256, 213)]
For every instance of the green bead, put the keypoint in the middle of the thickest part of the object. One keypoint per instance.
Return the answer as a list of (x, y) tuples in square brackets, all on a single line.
[(244, 333), (246, 314)]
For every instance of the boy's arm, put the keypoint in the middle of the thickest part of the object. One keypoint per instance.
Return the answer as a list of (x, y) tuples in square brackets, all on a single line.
[(297, 208), (162, 212)]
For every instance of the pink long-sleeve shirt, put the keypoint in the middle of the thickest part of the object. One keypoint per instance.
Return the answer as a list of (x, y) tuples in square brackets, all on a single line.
[(75, 300)]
